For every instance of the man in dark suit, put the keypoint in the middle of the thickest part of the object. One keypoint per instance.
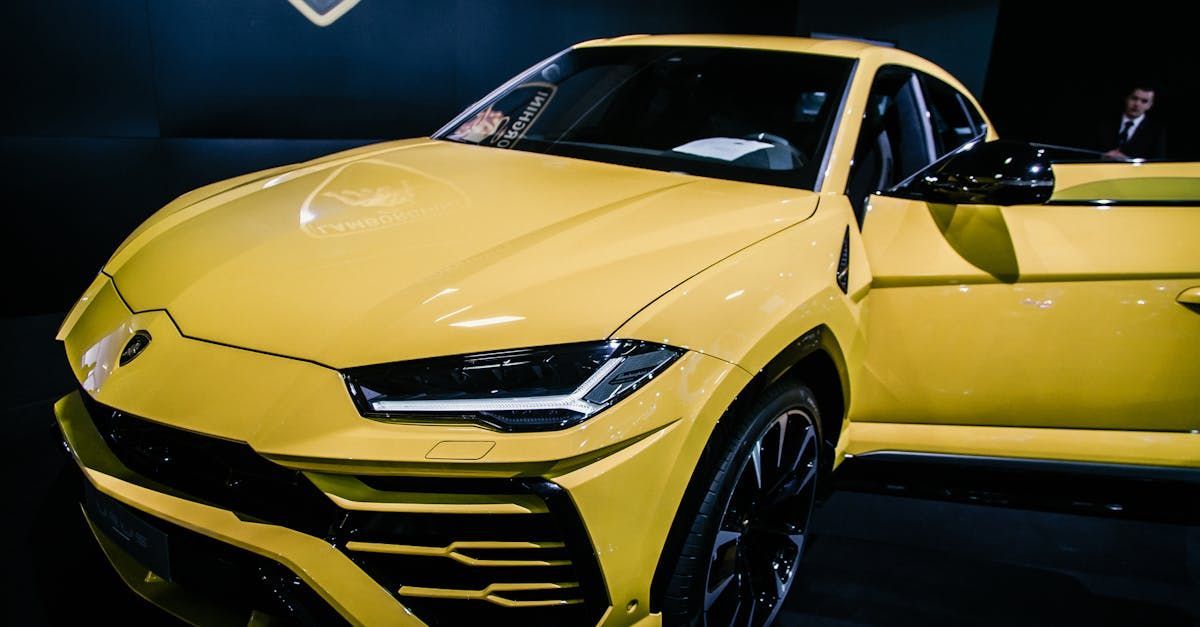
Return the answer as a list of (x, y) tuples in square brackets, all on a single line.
[(1137, 136)]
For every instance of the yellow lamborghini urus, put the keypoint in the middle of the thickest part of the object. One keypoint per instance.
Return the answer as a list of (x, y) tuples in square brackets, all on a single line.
[(589, 353)]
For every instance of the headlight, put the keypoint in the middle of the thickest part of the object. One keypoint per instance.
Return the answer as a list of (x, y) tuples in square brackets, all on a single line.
[(529, 389)]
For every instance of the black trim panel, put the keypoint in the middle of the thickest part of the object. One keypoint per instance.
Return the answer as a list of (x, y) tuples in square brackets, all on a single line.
[(1122, 203), (1157, 493), (1127, 471), (232, 476)]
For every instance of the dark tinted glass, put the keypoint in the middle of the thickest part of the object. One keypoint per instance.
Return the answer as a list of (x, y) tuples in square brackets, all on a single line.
[(948, 115), (750, 115), (892, 141), (977, 120)]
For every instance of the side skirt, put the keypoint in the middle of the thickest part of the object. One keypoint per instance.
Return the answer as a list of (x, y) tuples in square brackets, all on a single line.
[(1138, 492)]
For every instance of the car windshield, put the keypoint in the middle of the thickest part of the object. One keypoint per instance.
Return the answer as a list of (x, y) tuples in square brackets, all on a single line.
[(748, 115)]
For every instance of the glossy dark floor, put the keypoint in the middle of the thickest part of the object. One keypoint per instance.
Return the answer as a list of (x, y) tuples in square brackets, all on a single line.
[(874, 559)]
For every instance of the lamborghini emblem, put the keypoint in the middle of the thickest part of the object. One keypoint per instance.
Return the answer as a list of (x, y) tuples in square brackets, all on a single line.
[(323, 12), (134, 347)]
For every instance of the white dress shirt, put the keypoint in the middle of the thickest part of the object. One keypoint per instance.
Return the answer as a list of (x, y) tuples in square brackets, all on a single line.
[(1132, 129)]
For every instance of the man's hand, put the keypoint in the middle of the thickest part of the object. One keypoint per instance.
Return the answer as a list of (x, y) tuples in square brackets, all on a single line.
[(1116, 155)]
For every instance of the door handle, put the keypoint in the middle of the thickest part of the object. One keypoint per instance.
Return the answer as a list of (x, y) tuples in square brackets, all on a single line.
[(1190, 296)]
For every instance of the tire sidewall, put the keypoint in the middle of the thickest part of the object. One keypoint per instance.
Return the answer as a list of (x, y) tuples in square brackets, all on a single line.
[(731, 444)]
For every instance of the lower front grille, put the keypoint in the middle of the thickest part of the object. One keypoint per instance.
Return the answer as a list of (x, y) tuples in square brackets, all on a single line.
[(222, 473), (532, 565), (233, 578)]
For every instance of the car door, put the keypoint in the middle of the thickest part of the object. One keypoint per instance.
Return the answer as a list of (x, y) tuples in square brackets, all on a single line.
[(1068, 314)]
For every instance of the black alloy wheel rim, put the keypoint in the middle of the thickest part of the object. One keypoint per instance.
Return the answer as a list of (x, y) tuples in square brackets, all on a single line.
[(763, 526)]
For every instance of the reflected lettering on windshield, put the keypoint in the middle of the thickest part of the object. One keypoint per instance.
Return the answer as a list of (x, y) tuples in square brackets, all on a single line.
[(495, 127)]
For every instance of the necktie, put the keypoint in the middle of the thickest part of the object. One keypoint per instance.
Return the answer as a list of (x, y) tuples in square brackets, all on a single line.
[(1123, 136)]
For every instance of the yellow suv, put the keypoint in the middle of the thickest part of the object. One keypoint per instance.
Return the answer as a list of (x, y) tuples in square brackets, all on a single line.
[(586, 354)]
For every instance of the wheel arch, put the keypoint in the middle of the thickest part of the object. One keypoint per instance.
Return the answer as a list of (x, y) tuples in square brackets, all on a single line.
[(814, 358)]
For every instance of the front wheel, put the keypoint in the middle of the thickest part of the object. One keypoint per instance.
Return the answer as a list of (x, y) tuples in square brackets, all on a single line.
[(741, 554)]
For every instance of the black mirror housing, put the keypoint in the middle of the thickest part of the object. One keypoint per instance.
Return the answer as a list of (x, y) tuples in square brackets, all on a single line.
[(978, 173)]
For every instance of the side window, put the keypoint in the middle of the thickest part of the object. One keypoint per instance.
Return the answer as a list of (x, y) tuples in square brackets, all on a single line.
[(977, 120), (894, 140), (952, 117)]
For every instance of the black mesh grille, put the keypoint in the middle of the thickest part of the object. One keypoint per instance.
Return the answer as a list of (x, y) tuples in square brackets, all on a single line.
[(230, 475), (225, 474)]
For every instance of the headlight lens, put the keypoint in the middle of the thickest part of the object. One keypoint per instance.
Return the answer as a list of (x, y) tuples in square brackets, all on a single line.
[(531, 389)]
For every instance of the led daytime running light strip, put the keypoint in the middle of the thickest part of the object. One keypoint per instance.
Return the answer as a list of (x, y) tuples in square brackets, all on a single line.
[(573, 401)]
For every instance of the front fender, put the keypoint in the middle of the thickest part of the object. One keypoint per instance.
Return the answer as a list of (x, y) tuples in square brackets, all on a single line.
[(750, 307)]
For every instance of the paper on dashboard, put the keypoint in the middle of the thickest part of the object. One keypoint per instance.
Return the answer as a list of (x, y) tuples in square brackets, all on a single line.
[(723, 148)]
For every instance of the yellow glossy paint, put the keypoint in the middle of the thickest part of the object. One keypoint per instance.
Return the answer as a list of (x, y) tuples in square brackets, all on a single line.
[(694, 393), (494, 593), (1135, 181), (297, 410), (542, 262), (1067, 313), (346, 587), (1063, 332), (453, 551)]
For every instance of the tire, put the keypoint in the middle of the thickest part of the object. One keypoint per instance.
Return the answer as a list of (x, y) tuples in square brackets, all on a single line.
[(747, 534)]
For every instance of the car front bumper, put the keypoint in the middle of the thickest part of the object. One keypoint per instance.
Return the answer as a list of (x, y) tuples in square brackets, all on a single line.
[(412, 542)]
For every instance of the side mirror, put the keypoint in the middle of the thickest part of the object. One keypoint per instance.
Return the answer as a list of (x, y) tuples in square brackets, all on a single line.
[(993, 173)]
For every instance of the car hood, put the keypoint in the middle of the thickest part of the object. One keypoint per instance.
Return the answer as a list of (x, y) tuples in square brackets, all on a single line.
[(425, 248)]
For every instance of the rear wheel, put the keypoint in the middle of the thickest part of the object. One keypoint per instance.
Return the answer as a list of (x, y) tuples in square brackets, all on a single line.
[(741, 554)]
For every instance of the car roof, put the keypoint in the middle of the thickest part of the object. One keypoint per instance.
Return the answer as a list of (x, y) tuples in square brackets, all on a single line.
[(847, 48), (832, 47)]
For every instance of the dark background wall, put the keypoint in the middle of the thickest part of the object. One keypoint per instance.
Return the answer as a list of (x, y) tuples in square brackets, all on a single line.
[(956, 35), (1060, 70), (111, 108)]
